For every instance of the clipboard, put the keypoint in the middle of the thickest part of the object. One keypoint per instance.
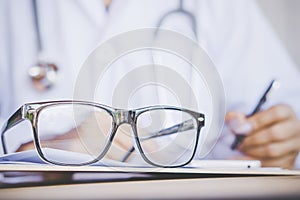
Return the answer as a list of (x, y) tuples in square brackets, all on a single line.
[(27, 169)]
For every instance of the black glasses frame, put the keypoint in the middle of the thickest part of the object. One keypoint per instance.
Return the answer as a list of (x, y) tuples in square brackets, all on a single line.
[(31, 111)]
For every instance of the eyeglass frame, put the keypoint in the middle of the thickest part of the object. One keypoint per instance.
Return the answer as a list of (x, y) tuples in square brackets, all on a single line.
[(30, 111)]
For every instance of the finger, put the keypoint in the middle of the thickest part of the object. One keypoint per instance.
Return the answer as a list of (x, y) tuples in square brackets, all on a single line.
[(237, 123), (286, 162), (26, 146), (273, 150), (244, 157), (234, 116), (275, 133), (271, 116)]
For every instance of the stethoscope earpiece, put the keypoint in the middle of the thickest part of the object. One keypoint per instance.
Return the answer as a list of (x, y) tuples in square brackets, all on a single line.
[(43, 75)]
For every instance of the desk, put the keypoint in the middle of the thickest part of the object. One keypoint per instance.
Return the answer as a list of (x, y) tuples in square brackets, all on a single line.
[(269, 187)]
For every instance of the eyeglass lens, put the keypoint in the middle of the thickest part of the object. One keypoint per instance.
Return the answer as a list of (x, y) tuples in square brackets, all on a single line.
[(175, 143)]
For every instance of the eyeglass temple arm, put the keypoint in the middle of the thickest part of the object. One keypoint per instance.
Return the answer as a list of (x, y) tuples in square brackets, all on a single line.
[(184, 126), (16, 118)]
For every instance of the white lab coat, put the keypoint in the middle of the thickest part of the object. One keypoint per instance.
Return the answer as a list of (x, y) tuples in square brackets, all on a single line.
[(234, 33)]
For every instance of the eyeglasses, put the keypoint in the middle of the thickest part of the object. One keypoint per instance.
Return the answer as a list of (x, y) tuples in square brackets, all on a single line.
[(165, 136)]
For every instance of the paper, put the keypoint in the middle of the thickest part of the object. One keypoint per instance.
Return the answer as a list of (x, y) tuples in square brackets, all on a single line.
[(31, 157), (31, 162)]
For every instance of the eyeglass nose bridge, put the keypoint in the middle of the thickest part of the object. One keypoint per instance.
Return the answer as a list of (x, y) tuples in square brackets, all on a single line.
[(123, 116)]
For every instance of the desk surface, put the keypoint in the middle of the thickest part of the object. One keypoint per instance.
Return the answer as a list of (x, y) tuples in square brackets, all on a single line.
[(272, 187), (185, 183)]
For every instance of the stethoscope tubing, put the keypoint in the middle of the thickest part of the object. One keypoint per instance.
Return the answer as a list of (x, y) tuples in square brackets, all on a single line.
[(37, 26)]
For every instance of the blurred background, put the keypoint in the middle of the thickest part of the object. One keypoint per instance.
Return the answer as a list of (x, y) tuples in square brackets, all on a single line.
[(284, 16)]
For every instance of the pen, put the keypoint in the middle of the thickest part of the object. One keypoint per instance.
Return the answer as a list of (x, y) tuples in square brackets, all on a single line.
[(273, 85)]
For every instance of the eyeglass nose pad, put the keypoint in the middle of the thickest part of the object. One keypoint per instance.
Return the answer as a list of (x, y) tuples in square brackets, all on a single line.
[(123, 116)]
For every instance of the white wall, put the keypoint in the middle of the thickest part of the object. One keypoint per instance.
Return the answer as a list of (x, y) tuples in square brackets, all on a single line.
[(284, 15)]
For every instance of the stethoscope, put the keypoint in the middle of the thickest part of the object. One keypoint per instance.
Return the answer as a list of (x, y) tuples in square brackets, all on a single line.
[(182, 11), (43, 73)]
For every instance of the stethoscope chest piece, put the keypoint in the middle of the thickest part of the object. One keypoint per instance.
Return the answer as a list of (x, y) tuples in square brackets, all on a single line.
[(43, 75)]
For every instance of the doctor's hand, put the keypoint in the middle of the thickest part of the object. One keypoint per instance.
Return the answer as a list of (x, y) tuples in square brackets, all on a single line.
[(273, 135)]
